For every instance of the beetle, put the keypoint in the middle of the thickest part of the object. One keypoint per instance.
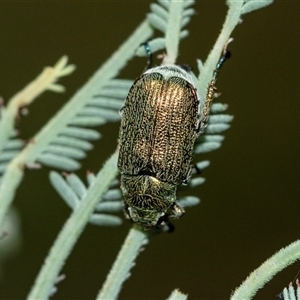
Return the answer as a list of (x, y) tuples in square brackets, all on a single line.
[(160, 121)]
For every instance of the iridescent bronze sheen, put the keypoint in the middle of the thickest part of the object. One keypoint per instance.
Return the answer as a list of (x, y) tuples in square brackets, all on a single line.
[(159, 125)]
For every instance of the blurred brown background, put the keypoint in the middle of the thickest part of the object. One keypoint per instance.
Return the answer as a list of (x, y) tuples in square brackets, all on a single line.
[(250, 202)]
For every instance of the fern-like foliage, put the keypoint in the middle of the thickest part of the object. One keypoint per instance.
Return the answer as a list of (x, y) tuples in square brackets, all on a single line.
[(291, 292), (65, 138), (108, 100), (73, 190), (218, 123), (83, 203), (248, 6), (12, 148), (210, 140), (74, 139), (177, 295), (10, 144), (170, 18)]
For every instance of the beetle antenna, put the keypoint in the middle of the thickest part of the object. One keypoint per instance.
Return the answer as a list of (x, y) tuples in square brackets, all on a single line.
[(212, 89), (149, 55), (225, 55)]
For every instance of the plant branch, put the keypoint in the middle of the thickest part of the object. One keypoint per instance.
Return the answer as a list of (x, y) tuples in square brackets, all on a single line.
[(120, 270), (72, 230), (14, 174), (173, 31), (259, 277), (43, 82), (205, 76)]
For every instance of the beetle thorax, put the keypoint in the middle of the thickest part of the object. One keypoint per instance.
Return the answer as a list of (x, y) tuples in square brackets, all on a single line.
[(146, 198)]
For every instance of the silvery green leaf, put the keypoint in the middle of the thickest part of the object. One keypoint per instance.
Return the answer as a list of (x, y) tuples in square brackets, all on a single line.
[(109, 206), (114, 183), (185, 21), (188, 3), (203, 164), (216, 128), (91, 178), (196, 181), (107, 102), (61, 63), (112, 93), (56, 87), (59, 162), (188, 201), (212, 138), (155, 45), (14, 144), (177, 295), (164, 3), (81, 133), (183, 34), (8, 155), (73, 142), (251, 5), (76, 184), (87, 121), (66, 151), (105, 220), (159, 10), (117, 83), (206, 147), (108, 114), (113, 194), (218, 108), (63, 189), (188, 12), (157, 22), (220, 118), (3, 167)]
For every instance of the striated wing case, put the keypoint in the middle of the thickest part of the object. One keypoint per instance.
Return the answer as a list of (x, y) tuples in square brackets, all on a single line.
[(158, 128)]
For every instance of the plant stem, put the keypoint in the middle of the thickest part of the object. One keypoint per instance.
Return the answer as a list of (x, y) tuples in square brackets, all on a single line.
[(259, 277), (205, 76), (52, 129), (71, 231), (173, 31), (125, 261)]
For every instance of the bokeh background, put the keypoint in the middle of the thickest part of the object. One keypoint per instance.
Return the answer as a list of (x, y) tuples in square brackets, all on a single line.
[(250, 202)]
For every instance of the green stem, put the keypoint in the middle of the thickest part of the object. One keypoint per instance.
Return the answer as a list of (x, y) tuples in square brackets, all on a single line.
[(124, 262), (205, 76), (173, 31), (50, 131), (259, 277), (71, 231)]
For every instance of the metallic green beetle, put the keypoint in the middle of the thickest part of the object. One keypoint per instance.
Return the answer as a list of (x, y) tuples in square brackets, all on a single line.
[(159, 125)]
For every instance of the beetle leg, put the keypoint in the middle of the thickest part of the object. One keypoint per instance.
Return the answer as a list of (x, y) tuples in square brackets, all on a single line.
[(126, 212), (188, 176), (194, 169), (177, 210), (212, 89), (174, 212), (121, 111)]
